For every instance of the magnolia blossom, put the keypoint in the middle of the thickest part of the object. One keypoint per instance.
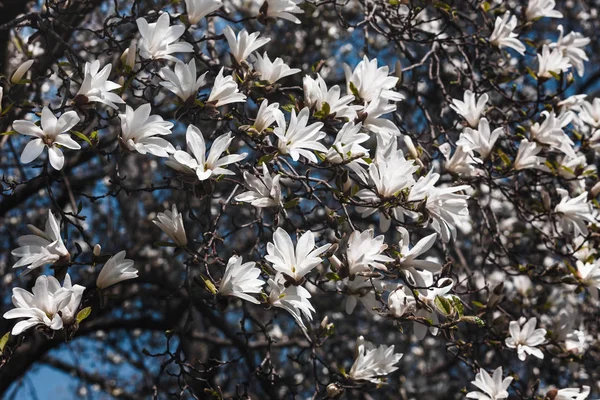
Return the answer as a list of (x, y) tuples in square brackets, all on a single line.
[(284, 9), (492, 387), (241, 279), (198, 9), (183, 82), (541, 8), (361, 288), (373, 363), (244, 44), (272, 71), (159, 39), (204, 166), (527, 157), (51, 134), (299, 138), (139, 131), (294, 263), (265, 191), (365, 252), (524, 337), (44, 304), (116, 269), (371, 82), (503, 35), (471, 108), (590, 113), (574, 212), (428, 296), (374, 123), (265, 117), (589, 274), (293, 299), (42, 247), (96, 86), (461, 162), (316, 95), (480, 140), (225, 91), (347, 146), (401, 302), (20, 72), (552, 62), (408, 256), (171, 223), (571, 393), (571, 47), (551, 133)]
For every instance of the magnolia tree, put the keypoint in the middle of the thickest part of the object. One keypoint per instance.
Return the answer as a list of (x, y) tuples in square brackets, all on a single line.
[(312, 199)]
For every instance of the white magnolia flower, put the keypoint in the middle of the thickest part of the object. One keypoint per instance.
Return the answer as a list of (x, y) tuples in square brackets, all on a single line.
[(198, 163), (42, 247), (41, 306), (571, 47), (171, 223), (365, 252), (551, 133), (589, 274), (541, 8), (401, 302), (225, 91), (428, 296), (374, 123), (408, 256), (294, 263), (244, 44), (284, 9), (299, 138), (371, 82), (264, 191), (492, 387), (116, 269), (50, 134), (527, 157), (575, 213), (198, 9), (361, 288), (183, 82), (68, 313), (471, 108), (96, 87), (316, 95), (461, 162), (20, 72), (139, 131), (572, 393), (552, 62), (159, 39), (272, 71), (241, 279), (266, 116), (347, 146), (293, 299), (373, 363), (503, 35), (590, 113), (480, 140), (524, 337)]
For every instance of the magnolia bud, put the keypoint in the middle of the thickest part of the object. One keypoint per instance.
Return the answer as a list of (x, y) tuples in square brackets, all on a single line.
[(20, 72), (97, 250), (130, 56), (334, 390), (335, 262), (546, 200), (595, 190)]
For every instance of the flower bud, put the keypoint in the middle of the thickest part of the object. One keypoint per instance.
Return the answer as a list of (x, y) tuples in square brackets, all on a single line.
[(335, 262), (97, 250), (546, 200), (130, 54), (20, 72), (595, 190)]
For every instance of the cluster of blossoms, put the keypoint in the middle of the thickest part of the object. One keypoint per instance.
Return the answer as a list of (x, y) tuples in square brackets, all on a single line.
[(354, 131)]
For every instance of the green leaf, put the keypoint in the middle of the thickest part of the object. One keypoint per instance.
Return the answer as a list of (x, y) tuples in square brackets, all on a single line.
[(3, 341), (332, 276), (208, 283), (288, 107), (444, 305), (81, 136), (292, 203), (83, 314), (354, 90), (265, 159), (458, 305), (504, 157), (530, 72), (478, 304), (8, 133), (485, 6)]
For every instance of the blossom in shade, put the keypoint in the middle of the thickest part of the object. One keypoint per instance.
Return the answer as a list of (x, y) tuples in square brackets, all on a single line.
[(541, 8), (51, 134), (492, 387), (408, 256), (372, 362), (171, 223), (241, 280), (589, 276), (481, 140), (293, 299), (198, 9), (571, 47), (115, 270), (503, 35), (552, 62), (41, 247), (527, 157), (284, 9), (575, 213), (265, 190), (296, 262), (159, 39), (470, 108), (140, 131), (525, 337), (97, 88), (182, 81), (569, 393)]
